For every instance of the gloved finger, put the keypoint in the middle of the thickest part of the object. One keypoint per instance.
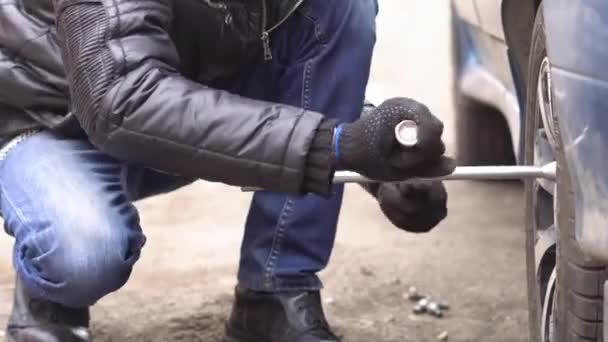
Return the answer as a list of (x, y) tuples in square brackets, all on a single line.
[(429, 145), (426, 220), (397, 218), (438, 194), (420, 222), (392, 198), (406, 157), (407, 109), (430, 131), (411, 198), (418, 112), (424, 192), (416, 205)]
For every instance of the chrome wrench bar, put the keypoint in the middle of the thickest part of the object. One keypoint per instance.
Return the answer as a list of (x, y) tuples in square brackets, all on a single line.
[(406, 134), (547, 172), (471, 173)]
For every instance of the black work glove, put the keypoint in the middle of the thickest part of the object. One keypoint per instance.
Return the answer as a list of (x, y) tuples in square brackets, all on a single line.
[(369, 146), (416, 206)]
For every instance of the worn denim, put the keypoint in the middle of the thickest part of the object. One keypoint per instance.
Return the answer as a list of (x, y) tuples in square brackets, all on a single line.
[(77, 234), (69, 206), (322, 58)]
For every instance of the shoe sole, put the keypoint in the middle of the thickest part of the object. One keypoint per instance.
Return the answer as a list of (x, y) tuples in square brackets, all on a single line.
[(234, 339), (237, 335), (230, 339), (234, 335), (255, 339)]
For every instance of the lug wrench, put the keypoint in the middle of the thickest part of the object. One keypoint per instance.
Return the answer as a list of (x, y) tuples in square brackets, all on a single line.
[(407, 135)]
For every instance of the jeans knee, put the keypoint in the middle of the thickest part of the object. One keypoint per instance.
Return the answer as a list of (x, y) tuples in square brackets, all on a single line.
[(79, 270), (88, 279)]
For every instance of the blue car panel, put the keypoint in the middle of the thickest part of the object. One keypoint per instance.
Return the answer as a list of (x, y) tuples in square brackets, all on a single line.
[(577, 37), (484, 73), (577, 43)]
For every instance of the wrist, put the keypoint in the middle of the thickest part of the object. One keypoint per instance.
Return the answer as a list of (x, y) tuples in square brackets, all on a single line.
[(336, 145), (347, 146), (321, 161)]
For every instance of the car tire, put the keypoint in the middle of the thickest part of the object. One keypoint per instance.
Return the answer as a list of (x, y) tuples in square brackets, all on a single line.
[(482, 133), (565, 288)]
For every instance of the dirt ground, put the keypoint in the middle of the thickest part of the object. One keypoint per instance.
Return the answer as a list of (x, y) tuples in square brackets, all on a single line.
[(181, 289)]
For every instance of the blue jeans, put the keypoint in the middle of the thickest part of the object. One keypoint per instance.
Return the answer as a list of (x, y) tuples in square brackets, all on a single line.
[(69, 206)]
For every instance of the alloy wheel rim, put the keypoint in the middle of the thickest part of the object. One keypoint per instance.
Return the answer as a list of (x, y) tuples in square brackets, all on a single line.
[(548, 324), (544, 201), (545, 100)]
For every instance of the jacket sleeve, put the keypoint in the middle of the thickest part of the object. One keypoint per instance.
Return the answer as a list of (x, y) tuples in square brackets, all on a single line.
[(132, 102)]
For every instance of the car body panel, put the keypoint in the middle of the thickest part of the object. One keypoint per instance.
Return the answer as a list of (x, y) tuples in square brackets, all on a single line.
[(467, 11), (484, 72), (577, 33), (490, 17), (493, 55)]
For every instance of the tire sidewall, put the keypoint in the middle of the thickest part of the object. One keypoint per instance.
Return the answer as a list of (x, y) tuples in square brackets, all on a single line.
[(537, 53)]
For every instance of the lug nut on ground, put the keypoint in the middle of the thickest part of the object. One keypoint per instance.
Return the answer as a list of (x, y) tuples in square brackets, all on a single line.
[(414, 295), (424, 304), (419, 309), (433, 309), (444, 306)]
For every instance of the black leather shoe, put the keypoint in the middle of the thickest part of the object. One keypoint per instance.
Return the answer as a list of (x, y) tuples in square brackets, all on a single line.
[(278, 317), (34, 320)]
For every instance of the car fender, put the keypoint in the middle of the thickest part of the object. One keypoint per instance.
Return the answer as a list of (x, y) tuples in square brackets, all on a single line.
[(577, 44)]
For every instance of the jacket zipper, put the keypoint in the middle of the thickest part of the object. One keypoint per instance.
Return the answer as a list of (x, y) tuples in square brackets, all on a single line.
[(216, 5), (266, 32)]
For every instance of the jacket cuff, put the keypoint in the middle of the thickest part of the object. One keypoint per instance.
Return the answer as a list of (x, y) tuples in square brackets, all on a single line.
[(319, 169)]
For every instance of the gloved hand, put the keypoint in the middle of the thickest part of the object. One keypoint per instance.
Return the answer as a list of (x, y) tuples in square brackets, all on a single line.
[(415, 206), (369, 146)]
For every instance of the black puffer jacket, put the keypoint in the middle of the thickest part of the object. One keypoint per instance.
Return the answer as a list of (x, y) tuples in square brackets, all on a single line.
[(136, 71)]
